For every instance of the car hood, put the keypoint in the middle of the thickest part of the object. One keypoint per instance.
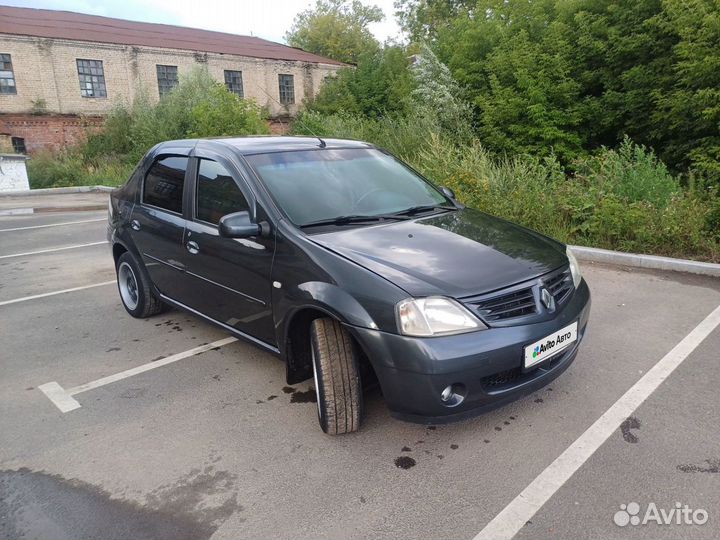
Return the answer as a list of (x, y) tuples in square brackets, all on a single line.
[(457, 254)]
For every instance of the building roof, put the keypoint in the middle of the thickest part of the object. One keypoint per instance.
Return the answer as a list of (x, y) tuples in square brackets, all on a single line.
[(80, 27)]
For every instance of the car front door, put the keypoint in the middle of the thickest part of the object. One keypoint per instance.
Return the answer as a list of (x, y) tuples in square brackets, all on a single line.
[(158, 224), (230, 277)]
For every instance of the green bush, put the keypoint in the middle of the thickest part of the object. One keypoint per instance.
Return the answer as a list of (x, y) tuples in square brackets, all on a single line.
[(224, 113), (54, 170), (632, 172)]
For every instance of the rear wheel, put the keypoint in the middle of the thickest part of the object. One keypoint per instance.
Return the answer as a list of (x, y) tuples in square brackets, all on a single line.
[(337, 377), (135, 290)]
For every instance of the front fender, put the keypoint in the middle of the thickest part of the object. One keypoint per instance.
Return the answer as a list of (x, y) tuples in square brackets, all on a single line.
[(332, 298), (325, 297), (295, 306)]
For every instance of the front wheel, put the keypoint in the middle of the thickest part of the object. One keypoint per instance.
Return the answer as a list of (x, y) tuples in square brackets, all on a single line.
[(135, 290), (337, 377)]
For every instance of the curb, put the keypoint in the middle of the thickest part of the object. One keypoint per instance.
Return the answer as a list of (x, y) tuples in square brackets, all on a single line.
[(57, 191), (653, 262)]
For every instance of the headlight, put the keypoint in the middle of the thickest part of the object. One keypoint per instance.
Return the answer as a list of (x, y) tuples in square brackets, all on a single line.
[(435, 316), (574, 267)]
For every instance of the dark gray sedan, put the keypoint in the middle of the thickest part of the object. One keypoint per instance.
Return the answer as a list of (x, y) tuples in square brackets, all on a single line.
[(353, 268)]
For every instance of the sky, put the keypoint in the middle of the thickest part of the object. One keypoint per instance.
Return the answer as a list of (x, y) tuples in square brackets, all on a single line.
[(268, 19)]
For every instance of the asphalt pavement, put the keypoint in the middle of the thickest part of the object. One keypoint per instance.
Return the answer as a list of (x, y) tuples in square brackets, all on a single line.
[(215, 444)]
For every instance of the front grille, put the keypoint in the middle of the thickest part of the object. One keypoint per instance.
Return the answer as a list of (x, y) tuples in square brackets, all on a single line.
[(522, 301), (560, 285), (507, 306)]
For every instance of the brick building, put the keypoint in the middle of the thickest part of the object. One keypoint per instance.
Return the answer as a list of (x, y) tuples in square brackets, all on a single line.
[(61, 71)]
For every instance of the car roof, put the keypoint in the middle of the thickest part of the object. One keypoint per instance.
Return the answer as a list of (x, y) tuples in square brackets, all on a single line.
[(263, 144)]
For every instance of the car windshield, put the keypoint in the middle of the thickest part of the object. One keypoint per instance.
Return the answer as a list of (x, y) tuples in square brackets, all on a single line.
[(317, 185)]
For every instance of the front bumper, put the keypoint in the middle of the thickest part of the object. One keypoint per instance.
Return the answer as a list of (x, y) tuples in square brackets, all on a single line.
[(414, 371)]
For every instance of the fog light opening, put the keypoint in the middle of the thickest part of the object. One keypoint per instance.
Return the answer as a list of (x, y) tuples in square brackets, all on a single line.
[(453, 395)]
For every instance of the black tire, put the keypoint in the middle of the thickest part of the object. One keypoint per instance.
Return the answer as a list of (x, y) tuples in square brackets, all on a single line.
[(337, 377), (139, 300)]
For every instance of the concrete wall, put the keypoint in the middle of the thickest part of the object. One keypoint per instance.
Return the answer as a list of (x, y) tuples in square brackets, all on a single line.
[(46, 73), (13, 175)]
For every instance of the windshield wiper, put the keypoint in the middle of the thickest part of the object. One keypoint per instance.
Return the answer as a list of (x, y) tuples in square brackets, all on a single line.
[(345, 220), (417, 209)]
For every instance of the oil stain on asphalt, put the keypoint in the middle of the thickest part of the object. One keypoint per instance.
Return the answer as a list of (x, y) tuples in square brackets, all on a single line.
[(404, 462), (713, 467), (297, 396), (42, 505), (629, 423)]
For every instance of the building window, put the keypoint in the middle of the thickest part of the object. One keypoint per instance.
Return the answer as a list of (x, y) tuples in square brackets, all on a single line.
[(92, 78), (18, 144), (7, 77), (233, 81), (167, 78), (287, 89)]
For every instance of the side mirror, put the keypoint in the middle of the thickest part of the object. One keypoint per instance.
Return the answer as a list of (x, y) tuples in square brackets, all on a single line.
[(448, 192), (238, 225)]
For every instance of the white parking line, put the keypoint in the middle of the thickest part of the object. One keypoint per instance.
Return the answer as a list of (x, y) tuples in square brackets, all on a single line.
[(63, 399), (59, 397), (63, 291), (521, 509), (52, 249), (53, 225)]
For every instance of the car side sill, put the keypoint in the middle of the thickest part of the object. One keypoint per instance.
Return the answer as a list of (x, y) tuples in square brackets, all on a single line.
[(234, 331)]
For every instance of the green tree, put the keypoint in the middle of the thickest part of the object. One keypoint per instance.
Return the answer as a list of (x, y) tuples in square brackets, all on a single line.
[(337, 29), (687, 119), (564, 77), (380, 84), (438, 95), (421, 19), (513, 58)]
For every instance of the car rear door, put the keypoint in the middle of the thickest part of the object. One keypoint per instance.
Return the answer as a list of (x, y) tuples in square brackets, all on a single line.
[(229, 278), (158, 223)]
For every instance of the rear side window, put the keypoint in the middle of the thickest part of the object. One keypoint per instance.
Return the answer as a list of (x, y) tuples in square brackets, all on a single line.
[(164, 183), (217, 193)]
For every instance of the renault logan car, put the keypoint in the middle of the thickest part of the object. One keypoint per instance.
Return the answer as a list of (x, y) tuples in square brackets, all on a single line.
[(351, 267)]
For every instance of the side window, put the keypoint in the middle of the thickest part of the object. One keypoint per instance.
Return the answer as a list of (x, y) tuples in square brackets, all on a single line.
[(217, 193), (164, 183)]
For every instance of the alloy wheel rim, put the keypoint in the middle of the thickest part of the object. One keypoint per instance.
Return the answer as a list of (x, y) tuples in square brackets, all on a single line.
[(128, 286)]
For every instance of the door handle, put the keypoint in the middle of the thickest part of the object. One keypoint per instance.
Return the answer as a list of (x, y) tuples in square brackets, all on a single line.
[(135, 225), (193, 247)]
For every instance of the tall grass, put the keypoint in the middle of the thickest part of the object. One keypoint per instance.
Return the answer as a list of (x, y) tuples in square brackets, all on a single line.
[(622, 198)]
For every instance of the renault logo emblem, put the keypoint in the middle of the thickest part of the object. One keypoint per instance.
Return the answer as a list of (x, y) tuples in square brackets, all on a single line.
[(547, 299)]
